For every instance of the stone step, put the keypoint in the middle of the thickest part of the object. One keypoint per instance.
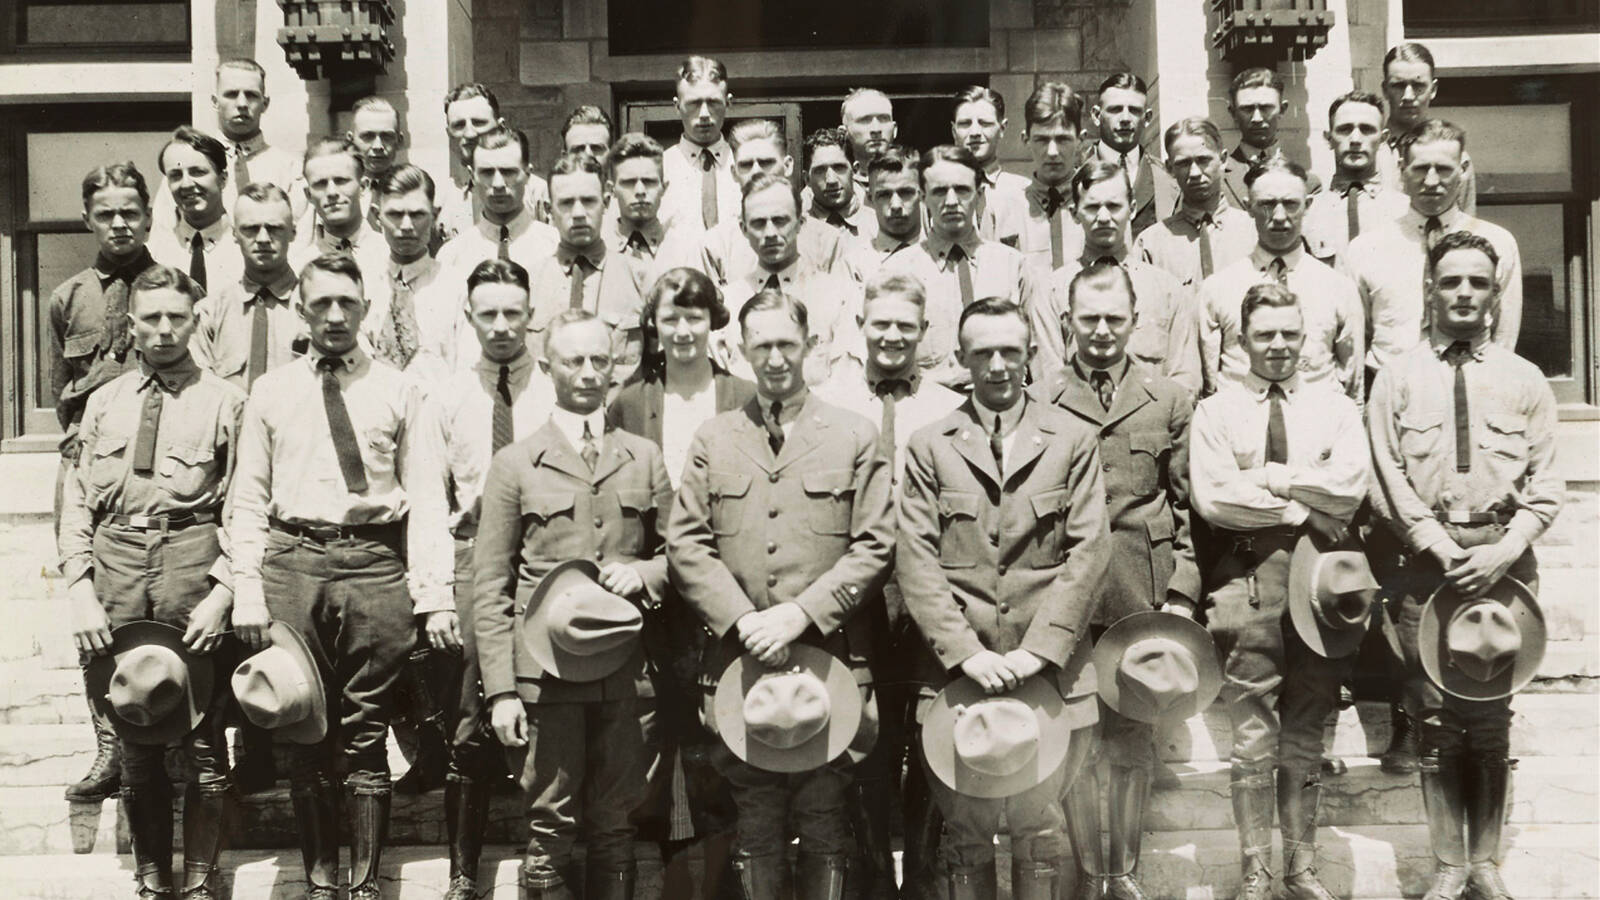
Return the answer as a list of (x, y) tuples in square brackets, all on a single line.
[(1549, 861)]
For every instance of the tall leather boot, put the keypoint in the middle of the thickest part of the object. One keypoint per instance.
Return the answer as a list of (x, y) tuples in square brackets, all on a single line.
[(316, 817), (1082, 807), (1444, 801), (1034, 879), (424, 684), (204, 815), (543, 886), (610, 883), (369, 829), (104, 778), (872, 869), (1401, 757), (466, 815), (924, 825), (254, 768), (972, 882), (760, 877), (820, 876), (149, 808), (1299, 796), (1487, 783), (1253, 796), (1130, 788)]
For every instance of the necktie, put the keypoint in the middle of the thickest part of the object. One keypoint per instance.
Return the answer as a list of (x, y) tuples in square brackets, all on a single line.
[(340, 429), (997, 447), (1277, 432), (580, 269), (241, 171), (117, 337), (504, 425), (887, 390), (1204, 227), (1101, 381), (958, 255), (772, 283), (504, 250), (638, 246), (591, 450), (197, 259), (708, 189), (1352, 209), (1053, 202), (1457, 355), (144, 444), (1127, 176), (1431, 231), (841, 223), (258, 337), (398, 338), (1279, 271), (774, 429)]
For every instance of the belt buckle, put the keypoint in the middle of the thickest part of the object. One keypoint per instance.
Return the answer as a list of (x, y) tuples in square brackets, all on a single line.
[(144, 522), (1456, 517), (326, 533)]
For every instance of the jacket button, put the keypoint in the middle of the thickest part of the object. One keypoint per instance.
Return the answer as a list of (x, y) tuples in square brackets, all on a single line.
[(773, 478), (595, 489), (1106, 466), (1005, 607), (599, 554), (772, 513), (994, 537), (599, 522), (1001, 568), (772, 580), (772, 546)]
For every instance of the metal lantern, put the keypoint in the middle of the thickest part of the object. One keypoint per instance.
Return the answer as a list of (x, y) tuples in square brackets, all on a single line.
[(347, 37), (1264, 32)]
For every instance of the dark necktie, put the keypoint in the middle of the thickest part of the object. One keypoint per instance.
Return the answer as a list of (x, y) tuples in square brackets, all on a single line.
[(772, 283), (339, 427), (774, 429), (1352, 209), (117, 337), (1101, 381), (397, 338), (591, 450), (1457, 355), (1277, 431), (197, 259), (504, 425), (708, 189), (144, 444), (258, 337), (1431, 232), (887, 391), (1204, 227), (997, 447), (580, 269), (1053, 201), (241, 171), (638, 246), (958, 255), (504, 251), (1279, 270)]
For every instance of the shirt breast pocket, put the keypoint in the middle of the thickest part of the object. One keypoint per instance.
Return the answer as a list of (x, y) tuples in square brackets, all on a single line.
[(107, 462), (186, 471), (830, 494), (380, 453), (1419, 436), (959, 532), (728, 491), (80, 344), (1046, 543), (1506, 437), (1145, 452)]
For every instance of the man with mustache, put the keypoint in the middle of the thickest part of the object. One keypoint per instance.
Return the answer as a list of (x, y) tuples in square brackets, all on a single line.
[(200, 242), (333, 176), (701, 189), (1256, 103), (978, 122), (249, 325), (1121, 114), (1206, 232), (1410, 87), (831, 186), (1357, 199), (471, 110)]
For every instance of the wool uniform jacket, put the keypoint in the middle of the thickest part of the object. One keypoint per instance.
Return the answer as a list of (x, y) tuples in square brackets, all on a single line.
[(986, 563), (1155, 191), (1144, 454), (812, 526), (543, 506)]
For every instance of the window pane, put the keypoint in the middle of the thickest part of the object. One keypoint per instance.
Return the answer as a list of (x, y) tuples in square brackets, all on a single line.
[(88, 24), (58, 161), (688, 26), (1546, 333), (1539, 164), (61, 256), (1478, 16)]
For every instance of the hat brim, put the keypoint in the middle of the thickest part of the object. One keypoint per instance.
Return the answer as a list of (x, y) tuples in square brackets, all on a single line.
[(1441, 608), (1129, 630), (1331, 643), (552, 659), (844, 717), (938, 738), (314, 727), (185, 717)]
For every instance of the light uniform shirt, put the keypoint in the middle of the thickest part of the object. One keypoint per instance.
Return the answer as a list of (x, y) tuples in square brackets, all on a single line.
[(928, 402), (726, 254), (288, 469), (458, 208), (856, 222), (1001, 213), (530, 241), (365, 245), (1034, 237), (686, 414), (1173, 244), (1327, 221), (1388, 266), (1328, 305), (224, 261), (662, 247), (195, 446), (832, 301), (1511, 424), (613, 289), (1164, 335), (1329, 462), (442, 328), (225, 321), (681, 166)]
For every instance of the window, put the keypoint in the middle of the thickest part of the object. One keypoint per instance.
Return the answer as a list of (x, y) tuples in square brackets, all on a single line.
[(1453, 18), (682, 26), (70, 27)]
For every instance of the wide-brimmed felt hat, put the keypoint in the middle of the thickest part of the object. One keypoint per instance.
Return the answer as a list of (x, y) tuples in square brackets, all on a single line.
[(280, 688), (577, 630), (1482, 649), (1157, 667), (995, 745), (1331, 597), (150, 687), (791, 718)]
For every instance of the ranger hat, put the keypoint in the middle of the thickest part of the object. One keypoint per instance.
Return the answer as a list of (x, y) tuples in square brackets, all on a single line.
[(150, 686)]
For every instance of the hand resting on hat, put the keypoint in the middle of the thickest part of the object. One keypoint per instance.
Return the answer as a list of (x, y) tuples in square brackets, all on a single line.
[(991, 671), (208, 621), (250, 622), (1484, 565), (621, 579), (91, 628), (1325, 526), (767, 634), (443, 629)]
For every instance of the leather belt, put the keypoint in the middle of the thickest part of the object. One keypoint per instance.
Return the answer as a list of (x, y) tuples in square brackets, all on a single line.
[(1454, 517), (324, 534), (162, 523)]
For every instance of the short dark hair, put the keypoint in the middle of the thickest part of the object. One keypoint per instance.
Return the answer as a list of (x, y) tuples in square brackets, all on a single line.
[(633, 146), (1092, 173), (1195, 126), (1462, 240), (896, 159), (993, 306), (469, 89), (977, 93), (1126, 81), (577, 164), (1102, 270), (769, 299), (504, 137), (1269, 293), (335, 146), (497, 271), (1274, 163), (267, 192), (122, 175), (203, 143), (332, 264), (160, 277), (403, 180), (681, 286), (1051, 100), (586, 115), (1255, 77), (1409, 51), (828, 137), (1366, 97), (703, 68), (954, 154), (1429, 130)]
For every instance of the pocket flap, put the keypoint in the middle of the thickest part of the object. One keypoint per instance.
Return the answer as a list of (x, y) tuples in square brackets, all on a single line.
[(1422, 423), (1506, 423), (1050, 503), (634, 499), (729, 484), (829, 481), (546, 505), (1151, 442), (192, 456), (80, 344), (1160, 527), (959, 505), (107, 445)]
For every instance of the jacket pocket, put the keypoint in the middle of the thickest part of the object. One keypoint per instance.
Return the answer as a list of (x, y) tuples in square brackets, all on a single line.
[(553, 525), (1046, 542), (727, 491), (187, 471), (638, 521), (959, 531), (830, 494), (1145, 452), (81, 343)]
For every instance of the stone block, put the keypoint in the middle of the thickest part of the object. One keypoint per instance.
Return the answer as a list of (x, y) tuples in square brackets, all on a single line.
[(1010, 14), (551, 63), (1043, 50), (583, 19)]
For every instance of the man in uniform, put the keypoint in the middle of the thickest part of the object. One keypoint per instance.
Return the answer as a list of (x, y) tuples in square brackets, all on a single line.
[(1256, 103), (471, 110), (831, 194), (414, 322), (1410, 86), (201, 241), (593, 494), (1327, 302), (376, 133), (868, 118), (633, 225), (318, 527), (506, 226), (1357, 200), (1001, 539), (1274, 455), (334, 175), (894, 190), (1205, 233), (1142, 418), (1121, 114), (587, 130), (1463, 441), (701, 189), (978, 122), (1050, 237), (140, 541), (249, 325), (781, 533), (1163, 333)]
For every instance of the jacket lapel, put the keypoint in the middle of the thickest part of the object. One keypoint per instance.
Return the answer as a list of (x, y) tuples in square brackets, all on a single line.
[(613, 456), (1074, 395), (972, 441), (751, 437), (1032, 436), (550, 448), (805, 435), (1130, 397)]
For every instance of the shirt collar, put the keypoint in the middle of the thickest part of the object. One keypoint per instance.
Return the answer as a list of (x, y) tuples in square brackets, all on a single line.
[(939, 245), (571, 424), (595, 253), (1341, 182), (721, 150), (1261, 257), (1084, 371), (1088, 257), (412, 272), (1039, 192), (913, 380), (354, 362), (1450, 219), (1257, 386), (250, 146), (792, 405), (1195, 216), (1008, 419), (212, 233), (1110, 154), (131, 267), (653, 231), (1247, 154), (786, 275), (817, 211), (517, 225), (322, 237), (520, 367), (886, 243), (283, 288), (1440, 342), (174, 378)]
